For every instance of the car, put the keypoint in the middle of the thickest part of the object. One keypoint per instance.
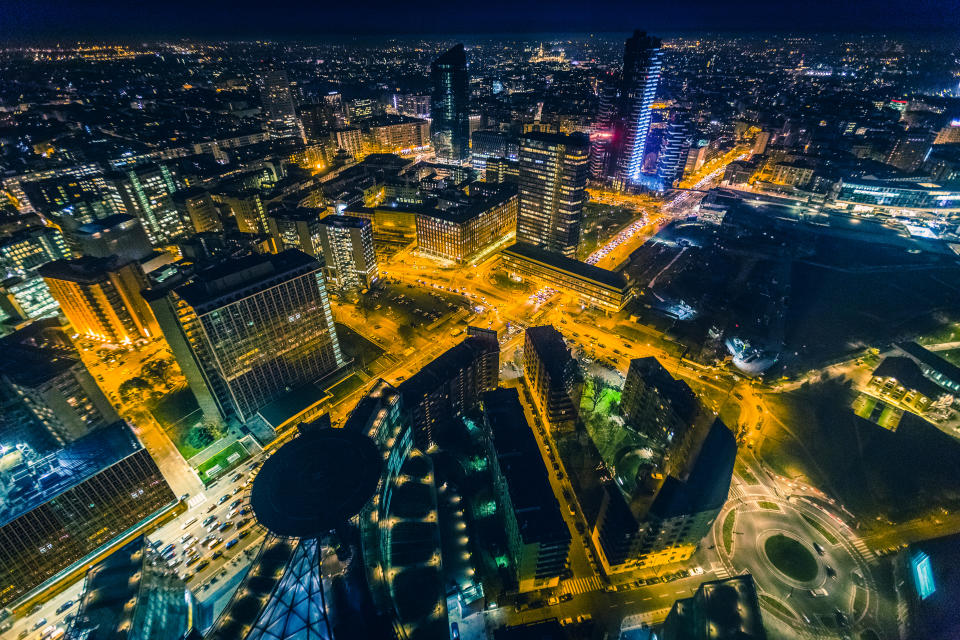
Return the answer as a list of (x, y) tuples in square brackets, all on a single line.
[(232, 543), (185, 538), (203, 565), (454, 631), (841, 617), (35, 609), (39, 623), (817, 593), (23, 634), (212, 507), (818, 549), (63, 607), (243, 534), (6, 626), (566, 597), (214, 543), (193, 558), (235, 504), (553, 600), (184, 497), (217, 554), (831, 572), (565, 621), (167, 550), (223, 498), (236, 477), (224, 526)]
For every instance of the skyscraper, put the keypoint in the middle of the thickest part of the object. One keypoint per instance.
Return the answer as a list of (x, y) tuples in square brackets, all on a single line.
[(277, 101), (450, 107), (146, 192), (638, 88), (674, 148), (247, 329), (553, 180), (347, 246)]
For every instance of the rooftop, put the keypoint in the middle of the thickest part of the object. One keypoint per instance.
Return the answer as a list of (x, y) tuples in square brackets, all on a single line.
[(315, 482), (345, 222), (610, 279), (84, 270), (444, 367), (534, 504), (27, 480)]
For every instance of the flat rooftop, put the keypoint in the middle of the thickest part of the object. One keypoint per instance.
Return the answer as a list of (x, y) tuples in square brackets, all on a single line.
[(557, 262), (31, 481), (534, 505)]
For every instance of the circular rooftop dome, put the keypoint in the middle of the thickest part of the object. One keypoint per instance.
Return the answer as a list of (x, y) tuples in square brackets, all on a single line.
[(315, 482)]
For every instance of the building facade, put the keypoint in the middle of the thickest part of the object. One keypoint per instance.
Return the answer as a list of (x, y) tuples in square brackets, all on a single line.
[(552, 375), (553, 180), (346, 243), (101, 298), (460, 233), (450, 106), (537, 535), (246, 329), (93, 491), (146, 192)]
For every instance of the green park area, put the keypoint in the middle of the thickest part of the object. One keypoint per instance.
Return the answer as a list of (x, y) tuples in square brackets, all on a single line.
[(770, 506), (790, 558), (728, 523), (813, 522), (179, 415), (600, 223), (222, 462)]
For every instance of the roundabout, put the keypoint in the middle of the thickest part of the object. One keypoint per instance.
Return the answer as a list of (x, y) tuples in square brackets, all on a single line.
[(813, 580)]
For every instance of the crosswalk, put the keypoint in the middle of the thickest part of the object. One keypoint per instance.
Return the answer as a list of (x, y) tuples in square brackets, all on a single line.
[(864, 550), (196, 500), (581, 585), (719, 572)]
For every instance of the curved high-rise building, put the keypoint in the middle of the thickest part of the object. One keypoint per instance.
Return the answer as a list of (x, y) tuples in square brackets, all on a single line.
[(638, 88)]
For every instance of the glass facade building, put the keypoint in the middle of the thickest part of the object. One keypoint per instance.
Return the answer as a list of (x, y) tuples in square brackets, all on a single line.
[(449, 106), (248, 328), (60, 509), (638, 88)]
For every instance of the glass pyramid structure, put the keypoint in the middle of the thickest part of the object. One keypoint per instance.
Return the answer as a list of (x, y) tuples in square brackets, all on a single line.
[(297, 608)]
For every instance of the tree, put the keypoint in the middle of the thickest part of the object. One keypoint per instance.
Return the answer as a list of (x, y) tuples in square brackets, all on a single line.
[(159, 370), (132, 390), (201, 436)]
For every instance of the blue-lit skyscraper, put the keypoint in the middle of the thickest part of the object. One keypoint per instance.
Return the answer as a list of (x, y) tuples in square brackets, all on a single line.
[(638, 88), (674, 147)]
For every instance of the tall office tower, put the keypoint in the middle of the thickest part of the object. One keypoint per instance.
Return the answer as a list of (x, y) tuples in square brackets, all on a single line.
[(31, 247), (119, 235), (359, 109), (537, 535), (485, 145), (146, 192), (296, 229), (133, 594), (334, 101), (278, 103), (58, 509), (451, 385), (197, 208), (638, 88), (410, 104), (450, 106), (911, 149), (347, 245), (725, 609), (247, 329), (101, 298), (674, 149), (553, 181), (53, 384), (247, 208), (552, 375), (603, 143)]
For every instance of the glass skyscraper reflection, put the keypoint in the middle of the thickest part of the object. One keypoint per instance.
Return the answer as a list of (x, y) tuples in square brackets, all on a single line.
[(449, 106)]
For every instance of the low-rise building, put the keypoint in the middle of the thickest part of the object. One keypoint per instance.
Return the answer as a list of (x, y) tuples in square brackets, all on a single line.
[(725, 609), (591, 285)]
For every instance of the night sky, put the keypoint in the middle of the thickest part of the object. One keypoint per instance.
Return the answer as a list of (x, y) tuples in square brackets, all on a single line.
[(26, 20)]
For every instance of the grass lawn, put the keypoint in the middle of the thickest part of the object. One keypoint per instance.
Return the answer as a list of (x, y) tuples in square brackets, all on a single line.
[(775, 605), (728, 523), (791, 558), (177, 412), (744, 473), (222, 462), (772, 506), (354, 346), (813, 522)]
